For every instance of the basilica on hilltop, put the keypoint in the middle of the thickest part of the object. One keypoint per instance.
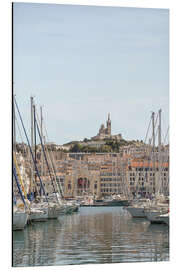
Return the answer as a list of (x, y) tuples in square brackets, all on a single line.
[(105, 132)]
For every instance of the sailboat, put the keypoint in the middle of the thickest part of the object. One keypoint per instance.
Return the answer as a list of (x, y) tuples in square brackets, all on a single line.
[(164, 218), (56, 200), (162, 202), (36, 212), (42, 206), (150, 208), (20, 213)]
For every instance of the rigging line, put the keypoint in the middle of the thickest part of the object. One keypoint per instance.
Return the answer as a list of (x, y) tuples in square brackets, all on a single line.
[(167, 135), (19, 175), (162, 131), (163, 122), (156, 121), (136, 182), (54, 171), (144, 174), (35, 143), (147, 131), (35, 146), (53, 168), (58, 185), (125, 181), (156, 134), (18, 185), (25, 152), (45, 156), (30, 149), (164, 136), (20, 134)]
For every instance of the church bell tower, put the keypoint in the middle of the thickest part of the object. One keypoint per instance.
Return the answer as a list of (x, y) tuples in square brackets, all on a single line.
[(109, 125)]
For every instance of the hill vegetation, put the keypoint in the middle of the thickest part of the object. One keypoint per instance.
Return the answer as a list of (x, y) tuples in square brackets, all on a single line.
[(109, 146)]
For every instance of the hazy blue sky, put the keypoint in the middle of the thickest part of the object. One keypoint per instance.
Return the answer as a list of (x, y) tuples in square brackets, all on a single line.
[(83, 62)]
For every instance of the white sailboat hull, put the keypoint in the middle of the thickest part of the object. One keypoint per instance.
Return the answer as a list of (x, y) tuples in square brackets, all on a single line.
[(157, 217), (55, 211), (153, 216), (136, 211), (164, 219), (38, 214), (19, 220)]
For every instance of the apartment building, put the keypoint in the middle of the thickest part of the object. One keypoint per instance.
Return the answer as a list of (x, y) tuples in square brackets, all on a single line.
[(147, 177)]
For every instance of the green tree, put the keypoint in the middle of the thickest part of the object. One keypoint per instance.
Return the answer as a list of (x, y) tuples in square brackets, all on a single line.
[(76, 148)]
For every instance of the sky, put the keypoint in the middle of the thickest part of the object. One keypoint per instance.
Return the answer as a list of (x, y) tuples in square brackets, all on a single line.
[(82, 62)]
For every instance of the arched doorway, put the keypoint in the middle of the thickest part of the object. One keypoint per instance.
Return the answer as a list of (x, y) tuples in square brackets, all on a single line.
[(83, 186)]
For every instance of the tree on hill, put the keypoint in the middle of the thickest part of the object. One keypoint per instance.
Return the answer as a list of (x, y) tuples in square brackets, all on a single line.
[(105, 149), (86, 140), (76, 148)]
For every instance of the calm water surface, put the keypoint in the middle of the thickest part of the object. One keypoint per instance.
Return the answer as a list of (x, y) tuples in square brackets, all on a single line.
[(93, 235)]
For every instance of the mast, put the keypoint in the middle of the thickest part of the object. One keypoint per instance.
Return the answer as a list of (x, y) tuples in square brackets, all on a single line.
[(14, 128), (32, 145), (35, 148), (159, 129), (153, 147), (159, 152), (14, 138), (30, 150), (32, 123), (153, 133), (42, 160)]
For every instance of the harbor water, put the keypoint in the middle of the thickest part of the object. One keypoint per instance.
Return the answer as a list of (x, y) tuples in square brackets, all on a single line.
[(92, 235)]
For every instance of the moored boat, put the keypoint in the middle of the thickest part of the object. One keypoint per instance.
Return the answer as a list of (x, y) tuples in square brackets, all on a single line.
[(137, 209), (158, 218), (165, 218), (19, 219), (153, 215), (38, 212)]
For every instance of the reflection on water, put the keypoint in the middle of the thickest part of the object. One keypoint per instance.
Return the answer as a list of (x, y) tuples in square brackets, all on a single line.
[(93, 235)]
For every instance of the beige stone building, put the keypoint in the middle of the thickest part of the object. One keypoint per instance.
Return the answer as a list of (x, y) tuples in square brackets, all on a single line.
[(145, 177), (97, 174), (104, 174)]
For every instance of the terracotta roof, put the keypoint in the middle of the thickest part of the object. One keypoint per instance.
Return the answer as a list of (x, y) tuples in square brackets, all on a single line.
[(147, 164)]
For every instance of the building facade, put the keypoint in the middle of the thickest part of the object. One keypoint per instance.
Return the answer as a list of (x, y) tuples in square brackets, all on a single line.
[(146, 178)]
